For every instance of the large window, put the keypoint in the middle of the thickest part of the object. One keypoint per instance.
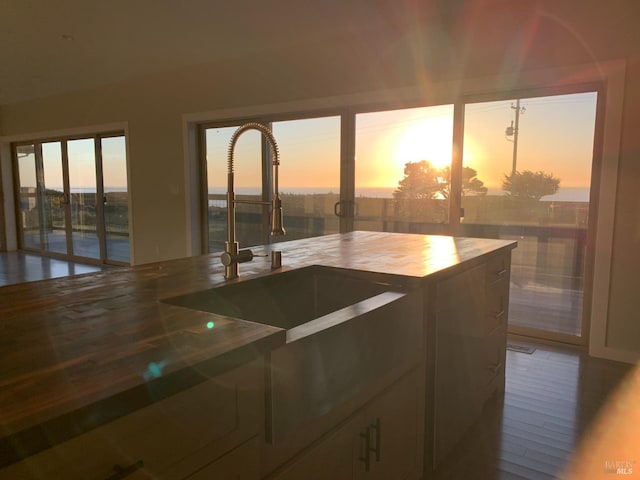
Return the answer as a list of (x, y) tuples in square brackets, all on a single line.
[(73, 197), (510, 167)]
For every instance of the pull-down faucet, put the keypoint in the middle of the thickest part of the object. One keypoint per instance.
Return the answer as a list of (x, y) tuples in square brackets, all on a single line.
[(232, 256)]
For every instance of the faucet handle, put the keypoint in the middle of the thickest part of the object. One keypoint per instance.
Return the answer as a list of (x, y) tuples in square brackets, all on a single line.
[(243, 256)]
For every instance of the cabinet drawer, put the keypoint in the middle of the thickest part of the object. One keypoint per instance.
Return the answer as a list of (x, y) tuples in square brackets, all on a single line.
[(461, 303), (491, 357), (168, 439), (497, 306), (498, 268)]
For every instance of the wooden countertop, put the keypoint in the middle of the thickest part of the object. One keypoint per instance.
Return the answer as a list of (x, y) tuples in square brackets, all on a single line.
[(80, 351)]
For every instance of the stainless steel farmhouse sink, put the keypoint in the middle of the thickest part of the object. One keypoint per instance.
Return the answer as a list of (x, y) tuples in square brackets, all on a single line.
[(345, 330), (285, 299)]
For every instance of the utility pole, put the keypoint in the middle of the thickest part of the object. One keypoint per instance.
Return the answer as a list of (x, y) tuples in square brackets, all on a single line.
[(512, 131)]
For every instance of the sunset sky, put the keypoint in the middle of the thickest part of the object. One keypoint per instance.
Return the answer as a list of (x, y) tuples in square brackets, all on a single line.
[(555, 136), (82, 170)]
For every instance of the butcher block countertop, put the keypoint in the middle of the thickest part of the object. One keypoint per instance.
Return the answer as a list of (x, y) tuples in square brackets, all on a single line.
[(80, 351)]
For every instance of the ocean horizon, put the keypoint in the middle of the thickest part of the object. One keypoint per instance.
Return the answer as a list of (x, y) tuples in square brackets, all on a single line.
[(567, 194)]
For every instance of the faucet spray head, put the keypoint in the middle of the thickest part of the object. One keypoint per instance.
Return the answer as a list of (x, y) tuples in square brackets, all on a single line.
[(277, 227)]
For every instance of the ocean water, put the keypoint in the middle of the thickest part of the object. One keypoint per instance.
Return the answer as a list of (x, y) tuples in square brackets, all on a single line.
[(567, 194), (107, 189)]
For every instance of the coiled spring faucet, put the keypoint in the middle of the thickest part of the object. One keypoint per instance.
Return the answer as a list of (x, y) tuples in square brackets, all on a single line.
[(232, 255)]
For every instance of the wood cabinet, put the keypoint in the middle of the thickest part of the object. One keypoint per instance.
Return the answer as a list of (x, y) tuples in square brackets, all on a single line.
[(471, 311), (382, 440), (174, 438)]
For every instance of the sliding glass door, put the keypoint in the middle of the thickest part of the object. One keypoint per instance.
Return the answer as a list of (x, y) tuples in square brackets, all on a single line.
[(522, 167), (29, 207), (517, 168), (115, 198), (84, 199), (535, 155), (73, 199), (54, 219)]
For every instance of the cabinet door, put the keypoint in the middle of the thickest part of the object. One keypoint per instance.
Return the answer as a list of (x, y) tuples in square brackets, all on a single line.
[(460, 337), (336, 456), (383, 441), (396, 433)]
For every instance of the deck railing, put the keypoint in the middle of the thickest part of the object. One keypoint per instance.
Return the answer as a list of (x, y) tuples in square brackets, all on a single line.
[(547, 266)]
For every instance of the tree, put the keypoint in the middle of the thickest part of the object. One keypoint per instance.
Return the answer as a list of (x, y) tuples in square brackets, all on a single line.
[(421, 181), (471, 184), (530, 185)]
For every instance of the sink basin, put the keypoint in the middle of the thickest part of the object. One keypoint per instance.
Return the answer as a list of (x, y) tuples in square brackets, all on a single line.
[(345, 330), (287, 299)]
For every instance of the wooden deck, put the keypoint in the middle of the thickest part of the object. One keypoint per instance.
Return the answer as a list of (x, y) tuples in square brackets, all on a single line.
[(546, 308)]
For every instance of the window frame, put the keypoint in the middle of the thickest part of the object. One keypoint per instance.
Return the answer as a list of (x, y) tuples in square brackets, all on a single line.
[(97, 138), (609, 74)]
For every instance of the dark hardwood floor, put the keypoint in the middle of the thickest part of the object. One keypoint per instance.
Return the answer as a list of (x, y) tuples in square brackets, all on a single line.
[(552, 398), (19, 267)]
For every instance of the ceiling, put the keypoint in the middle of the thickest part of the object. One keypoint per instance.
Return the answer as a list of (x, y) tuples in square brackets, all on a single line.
[(49, 48)]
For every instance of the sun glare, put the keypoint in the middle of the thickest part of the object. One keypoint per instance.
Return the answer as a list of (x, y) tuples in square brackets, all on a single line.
[(429, 139)]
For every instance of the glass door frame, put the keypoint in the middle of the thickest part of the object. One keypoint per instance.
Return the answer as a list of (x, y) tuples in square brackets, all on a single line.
[(454, 227), (65, 186), (607, 77), (100, 197), (3, 223), (455, 205), (348, 212)]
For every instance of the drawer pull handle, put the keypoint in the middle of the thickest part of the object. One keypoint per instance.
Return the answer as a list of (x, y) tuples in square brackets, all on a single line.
[(376, 426), (123, 472), (501, 273), (364, 436), (495, 368), (499, 315)]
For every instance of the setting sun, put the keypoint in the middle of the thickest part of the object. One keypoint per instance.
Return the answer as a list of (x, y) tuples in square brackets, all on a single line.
[(429, 139), (386, 141)]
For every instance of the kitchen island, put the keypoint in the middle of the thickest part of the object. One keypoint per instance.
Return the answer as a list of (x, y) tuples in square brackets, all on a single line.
[(82, 354)]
